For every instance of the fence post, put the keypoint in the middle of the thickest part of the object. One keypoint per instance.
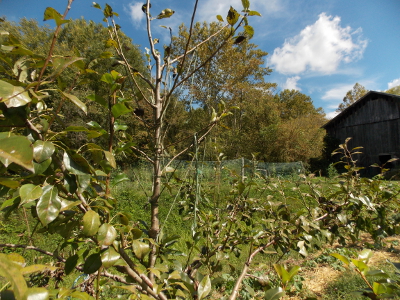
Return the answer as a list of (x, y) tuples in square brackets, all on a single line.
[(242, 169)]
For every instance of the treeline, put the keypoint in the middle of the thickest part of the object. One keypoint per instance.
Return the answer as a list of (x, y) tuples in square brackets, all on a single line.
[(260, 120)]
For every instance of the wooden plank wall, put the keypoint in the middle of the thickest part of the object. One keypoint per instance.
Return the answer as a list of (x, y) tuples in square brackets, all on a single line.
[(374, 125)]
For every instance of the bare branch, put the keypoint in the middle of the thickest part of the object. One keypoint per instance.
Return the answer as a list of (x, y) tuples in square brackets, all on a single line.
[(236, 289)]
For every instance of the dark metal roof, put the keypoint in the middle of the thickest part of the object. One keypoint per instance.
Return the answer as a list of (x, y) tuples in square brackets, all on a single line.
[(354, 106)]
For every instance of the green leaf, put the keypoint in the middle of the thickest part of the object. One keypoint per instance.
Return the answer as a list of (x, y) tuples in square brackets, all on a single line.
[(360, 265), (16, 258), (274, 294), (111, 43), (8, 182), (233, 16), (36, 293), (91, 223), (120, 109), (253, 13), (376, 273), (220, 18), (30, 192), (249, 30), (49, 205), (12, 273), (119, 178), (110, 158), (36, 268), (13, 96), (92, 263), (245, 4), (42, 150), (166, 13), (379, 289), (71, 263), (40, 168), (108, 78), (342, 258), (303, 250), (96, 5), (119, 126), (140, 249), (108, 13), (365, 255), (76, 101), (106, 234), (17, 149), (51, 14), (204, 288), (61, 63), (75, 163), (282, 273), (100, 100), (109, 257)]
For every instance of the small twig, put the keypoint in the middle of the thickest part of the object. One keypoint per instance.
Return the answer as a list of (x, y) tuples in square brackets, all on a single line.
[(246, 266)]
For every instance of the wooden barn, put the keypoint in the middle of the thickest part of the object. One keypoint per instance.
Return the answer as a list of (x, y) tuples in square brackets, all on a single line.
[(372, 122)]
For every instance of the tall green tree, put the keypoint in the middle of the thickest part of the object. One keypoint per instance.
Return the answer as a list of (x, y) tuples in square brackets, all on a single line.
[(394, 90), (352, 96), (91, 42)]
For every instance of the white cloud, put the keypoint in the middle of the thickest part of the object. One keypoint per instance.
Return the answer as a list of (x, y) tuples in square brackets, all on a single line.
[(394, 83), (291, 83), (134, 10), (331, 115), (337, 93), (319, 47)]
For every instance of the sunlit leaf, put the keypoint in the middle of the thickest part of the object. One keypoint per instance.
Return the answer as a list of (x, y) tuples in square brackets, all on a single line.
[(140, 249), (274, 293), (13, 96), (51, 14), (75, 163), (110, 158), (61, 63), (220, 18), (233, 16), (42, 150), (341, 258), (120, 109), (30, 192), (49, 205), (253, 13), (249, 30), (109, 257), (17, 149), (245, 4), (119, 178), (36, 268), (204, 288), (96, 5), (106, 234), (91, 223), (76, 101), (12, 273), (166, 13)]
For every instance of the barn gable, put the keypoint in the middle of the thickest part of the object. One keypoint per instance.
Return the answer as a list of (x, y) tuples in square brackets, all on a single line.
[(372, 122)]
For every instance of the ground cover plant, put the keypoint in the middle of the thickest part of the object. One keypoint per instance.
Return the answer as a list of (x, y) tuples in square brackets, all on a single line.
[(174, 237)]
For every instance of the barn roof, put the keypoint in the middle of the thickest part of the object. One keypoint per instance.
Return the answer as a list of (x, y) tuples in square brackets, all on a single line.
[(357, 104)]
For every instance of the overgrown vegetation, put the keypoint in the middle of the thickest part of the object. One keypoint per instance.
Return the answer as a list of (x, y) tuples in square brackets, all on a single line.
[(173, 236)]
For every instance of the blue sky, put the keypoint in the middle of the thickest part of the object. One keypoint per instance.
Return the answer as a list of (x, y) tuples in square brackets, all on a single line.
[(320, 47)]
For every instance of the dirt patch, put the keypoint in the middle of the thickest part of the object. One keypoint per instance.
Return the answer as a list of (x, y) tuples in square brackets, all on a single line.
[(318, 278)]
